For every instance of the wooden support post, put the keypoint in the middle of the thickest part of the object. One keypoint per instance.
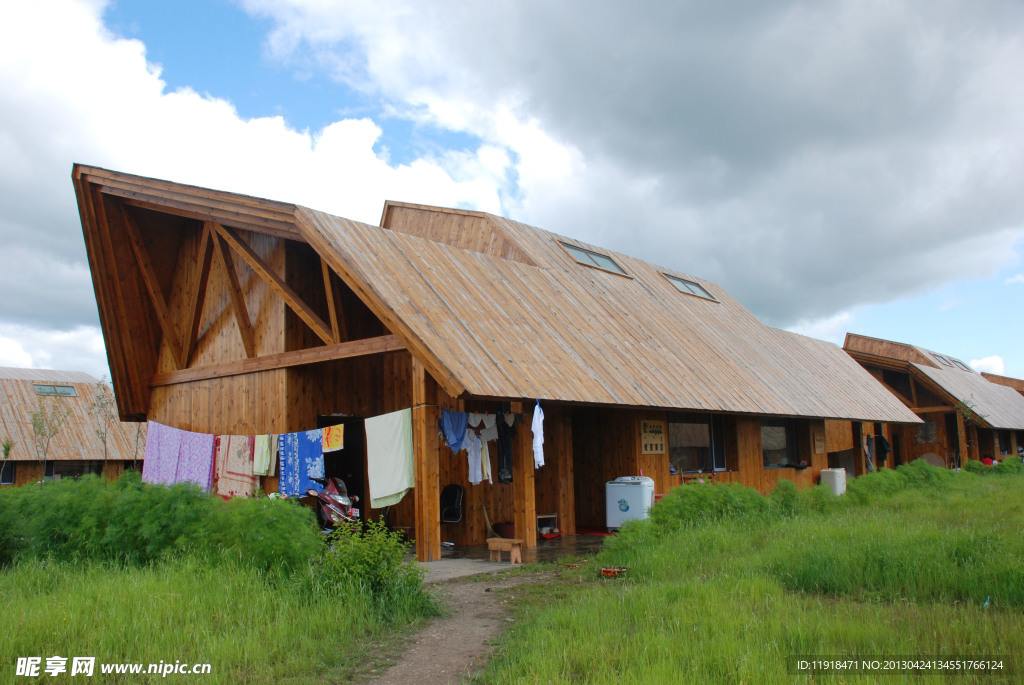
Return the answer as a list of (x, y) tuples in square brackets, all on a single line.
[(1013, 444), (961, 437), (566, 473), (524, 493), (975, 444), (425, 459)]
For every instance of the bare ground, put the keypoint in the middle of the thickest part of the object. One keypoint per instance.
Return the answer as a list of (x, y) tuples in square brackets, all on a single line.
[(450, 648)]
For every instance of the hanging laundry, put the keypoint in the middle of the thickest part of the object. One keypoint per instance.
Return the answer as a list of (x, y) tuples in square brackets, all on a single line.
[(163, 445), (232, 466), (538, 436), (489, 433), (195, 459), (389, 457), (264, 459), (490, 420), (510, 419), (505, 434), (475, 418), (301, 460), (333, 438), (453, 425), (473, 448), (485, 462)]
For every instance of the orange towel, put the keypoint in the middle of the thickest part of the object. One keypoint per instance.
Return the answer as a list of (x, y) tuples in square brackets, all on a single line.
[(333, 438)]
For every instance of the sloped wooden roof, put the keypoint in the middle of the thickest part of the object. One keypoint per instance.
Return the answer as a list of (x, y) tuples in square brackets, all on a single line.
[(77, 439), (996, 405), (496, 308)]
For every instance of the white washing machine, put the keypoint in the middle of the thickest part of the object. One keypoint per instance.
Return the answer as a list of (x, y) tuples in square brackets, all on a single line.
[(626, 498)]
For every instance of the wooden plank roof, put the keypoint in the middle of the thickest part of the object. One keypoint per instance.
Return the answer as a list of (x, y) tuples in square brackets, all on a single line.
[(998, 406), (77, 439), (496, 308)]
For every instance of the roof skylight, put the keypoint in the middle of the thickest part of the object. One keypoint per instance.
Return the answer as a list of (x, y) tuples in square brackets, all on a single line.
[(943, 359), (689, 287), (588, 258), (961, 365)]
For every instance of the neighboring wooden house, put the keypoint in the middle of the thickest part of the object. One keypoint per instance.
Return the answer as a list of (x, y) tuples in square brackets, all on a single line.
[(224, 313), (83, 442), (964, 413)]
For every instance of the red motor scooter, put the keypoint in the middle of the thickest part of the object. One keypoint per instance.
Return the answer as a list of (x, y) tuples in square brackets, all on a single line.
[(333, 504)]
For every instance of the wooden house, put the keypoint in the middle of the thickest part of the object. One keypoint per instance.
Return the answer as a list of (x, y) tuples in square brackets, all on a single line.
[(83, 441), (224, 313), (965, 414)]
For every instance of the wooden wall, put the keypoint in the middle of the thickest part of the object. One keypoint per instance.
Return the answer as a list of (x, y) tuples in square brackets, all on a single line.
[(838, 436)]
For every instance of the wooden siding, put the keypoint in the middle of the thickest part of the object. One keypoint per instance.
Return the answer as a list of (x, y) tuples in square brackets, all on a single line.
[(473, 231), (838, 436), (1015, 383)]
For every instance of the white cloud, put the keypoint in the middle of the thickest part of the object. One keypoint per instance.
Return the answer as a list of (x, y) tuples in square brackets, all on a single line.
[(78, 349), (830, 328), (993, 364), (1019, 278), (70, 91), (13, 354)]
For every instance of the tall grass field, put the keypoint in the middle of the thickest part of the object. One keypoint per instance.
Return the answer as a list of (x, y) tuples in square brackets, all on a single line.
[(131, 573), (725, 585)]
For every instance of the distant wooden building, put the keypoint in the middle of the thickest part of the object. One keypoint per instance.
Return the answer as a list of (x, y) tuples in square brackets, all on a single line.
[(224, 313), (84, 443), (966, 414)]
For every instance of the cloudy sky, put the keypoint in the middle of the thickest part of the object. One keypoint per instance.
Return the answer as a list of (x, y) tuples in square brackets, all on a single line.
[(837, 166)]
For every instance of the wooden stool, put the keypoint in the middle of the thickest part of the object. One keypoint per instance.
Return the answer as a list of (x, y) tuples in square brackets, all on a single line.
[(514, 547)]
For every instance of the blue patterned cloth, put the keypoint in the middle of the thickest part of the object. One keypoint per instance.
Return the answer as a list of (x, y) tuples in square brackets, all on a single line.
[(453, 425), (302, 458)]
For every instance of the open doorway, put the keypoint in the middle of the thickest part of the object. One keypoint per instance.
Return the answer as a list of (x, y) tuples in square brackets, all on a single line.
[(349, 463)]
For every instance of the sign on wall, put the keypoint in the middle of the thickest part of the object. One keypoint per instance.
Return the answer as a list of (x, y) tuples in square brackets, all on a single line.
[(653, 437)]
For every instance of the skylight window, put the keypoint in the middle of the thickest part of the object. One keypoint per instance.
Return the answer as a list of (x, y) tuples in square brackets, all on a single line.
[(689, 287), (65, 390), (961, 365), (943, 360), (588, 258)]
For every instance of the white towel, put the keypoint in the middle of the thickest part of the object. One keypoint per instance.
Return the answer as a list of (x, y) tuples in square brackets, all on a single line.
[(538, 437), (389, 457)]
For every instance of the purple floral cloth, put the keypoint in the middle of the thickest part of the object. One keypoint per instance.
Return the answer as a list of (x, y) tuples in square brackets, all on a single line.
[(195, 459), (163, 445), (176, 456)]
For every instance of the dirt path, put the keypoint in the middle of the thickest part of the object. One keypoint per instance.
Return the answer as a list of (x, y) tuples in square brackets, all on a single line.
[(452, 647)]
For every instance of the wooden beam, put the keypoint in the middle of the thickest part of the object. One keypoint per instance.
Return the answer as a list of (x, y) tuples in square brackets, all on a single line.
[(425, 458), (275, 282), (156, 295), (313, 355), (331, 308), (913, 389), (961, 436), (199, 295), (932, 410), (237, 297), (524, 487)]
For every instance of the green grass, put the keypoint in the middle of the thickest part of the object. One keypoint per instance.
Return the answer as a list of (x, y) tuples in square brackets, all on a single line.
[(251, 627), (727, 586), (131, 573)]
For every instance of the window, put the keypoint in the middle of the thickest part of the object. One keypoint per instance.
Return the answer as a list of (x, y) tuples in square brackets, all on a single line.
[(778, 443), (696, 445), (961, 365), (689, 287), (7, 469), (588, 258), (56, 470), (943, 360), (63, 390)]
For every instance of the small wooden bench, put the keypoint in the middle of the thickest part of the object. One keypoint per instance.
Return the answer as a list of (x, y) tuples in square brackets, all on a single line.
[(514, 547)]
